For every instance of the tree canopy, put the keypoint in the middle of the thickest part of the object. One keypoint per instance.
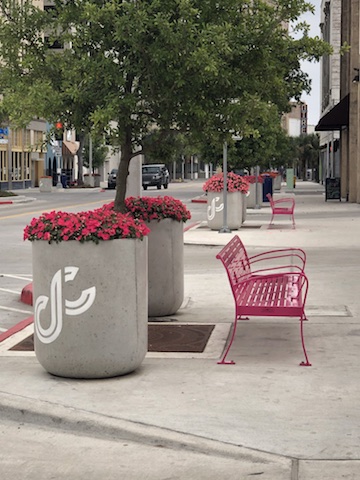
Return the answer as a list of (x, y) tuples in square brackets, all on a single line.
[(129, 67)]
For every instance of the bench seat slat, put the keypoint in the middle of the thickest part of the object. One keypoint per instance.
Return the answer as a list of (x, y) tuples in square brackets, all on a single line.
[(270, 296)]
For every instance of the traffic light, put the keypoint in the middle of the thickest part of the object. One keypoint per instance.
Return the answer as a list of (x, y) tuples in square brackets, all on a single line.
[(59, 131)]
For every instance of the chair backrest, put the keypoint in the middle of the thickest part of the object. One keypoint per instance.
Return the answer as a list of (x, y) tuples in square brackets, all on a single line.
[(235, 260)]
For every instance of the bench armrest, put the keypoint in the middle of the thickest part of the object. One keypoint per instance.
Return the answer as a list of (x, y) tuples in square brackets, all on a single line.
[(284, 200), (292, 254)]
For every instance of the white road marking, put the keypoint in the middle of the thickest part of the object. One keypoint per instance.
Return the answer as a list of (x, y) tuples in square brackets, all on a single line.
[(23, 277), (10, 291), (15, 310)]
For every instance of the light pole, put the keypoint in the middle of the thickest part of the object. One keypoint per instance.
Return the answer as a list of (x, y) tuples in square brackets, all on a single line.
[(257, 206), (225, 228)]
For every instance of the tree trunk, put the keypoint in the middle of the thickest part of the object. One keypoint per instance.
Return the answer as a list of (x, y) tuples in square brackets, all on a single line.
[(126, 155), (80, 178)]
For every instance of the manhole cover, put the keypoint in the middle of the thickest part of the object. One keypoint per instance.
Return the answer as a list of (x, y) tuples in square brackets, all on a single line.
[(162, 338), (179, 338)]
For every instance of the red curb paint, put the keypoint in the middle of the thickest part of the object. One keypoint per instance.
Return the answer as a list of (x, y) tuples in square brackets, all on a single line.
[(199, 200), (191, 226), (7, 202), (16, 328), (27, 294)]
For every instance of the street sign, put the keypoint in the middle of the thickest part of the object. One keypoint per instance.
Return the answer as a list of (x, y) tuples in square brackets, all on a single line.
[(4, 134)]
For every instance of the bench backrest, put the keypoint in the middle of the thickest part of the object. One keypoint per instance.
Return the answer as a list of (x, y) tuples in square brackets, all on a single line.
[(235, 260)]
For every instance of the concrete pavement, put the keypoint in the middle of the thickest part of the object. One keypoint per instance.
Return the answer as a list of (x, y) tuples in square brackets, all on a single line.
[(184, 416)]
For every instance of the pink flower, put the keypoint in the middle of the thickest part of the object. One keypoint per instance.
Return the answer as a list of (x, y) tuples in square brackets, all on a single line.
[(235, 183), (94, 225)]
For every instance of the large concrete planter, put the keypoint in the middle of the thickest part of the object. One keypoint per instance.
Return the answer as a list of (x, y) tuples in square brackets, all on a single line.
[(215, 210), (165, 267), (251, 198), (90, 307), (244, 207), (45, 184), (277, 183)]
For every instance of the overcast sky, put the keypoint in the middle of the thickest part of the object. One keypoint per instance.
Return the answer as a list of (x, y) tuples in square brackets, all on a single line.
[(313, 69)]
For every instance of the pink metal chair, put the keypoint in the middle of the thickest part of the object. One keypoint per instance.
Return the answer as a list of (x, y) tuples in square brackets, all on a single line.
[(282, 206)]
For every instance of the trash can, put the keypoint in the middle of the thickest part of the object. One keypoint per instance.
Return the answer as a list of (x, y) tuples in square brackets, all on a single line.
[(267, 187), (64, 180)]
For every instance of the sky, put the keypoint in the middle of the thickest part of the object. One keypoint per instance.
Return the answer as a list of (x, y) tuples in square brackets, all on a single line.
[(313, 69)]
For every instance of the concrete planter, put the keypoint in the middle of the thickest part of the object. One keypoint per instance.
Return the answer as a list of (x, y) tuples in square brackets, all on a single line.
[(251, 198), (215, 210), (45, 184), (244, 206), (277, 183), (90, 307), (165, 267)]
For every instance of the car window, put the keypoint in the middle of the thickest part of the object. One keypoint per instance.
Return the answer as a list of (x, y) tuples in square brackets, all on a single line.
[(150, 169)]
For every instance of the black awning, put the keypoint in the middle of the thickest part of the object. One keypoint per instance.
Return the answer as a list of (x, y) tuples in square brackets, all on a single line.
[(337, 118)]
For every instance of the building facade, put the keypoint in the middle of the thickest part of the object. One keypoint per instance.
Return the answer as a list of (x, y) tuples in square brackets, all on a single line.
[(295, 122), (330, 87), (22, 153), (343, 119)]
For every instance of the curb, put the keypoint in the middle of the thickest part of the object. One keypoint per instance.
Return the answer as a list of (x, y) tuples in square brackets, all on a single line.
[(16, 199), (18, 408), (16, 328), (200, 199)]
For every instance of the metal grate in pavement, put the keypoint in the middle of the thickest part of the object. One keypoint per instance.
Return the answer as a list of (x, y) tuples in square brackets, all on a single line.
[(162, 338)]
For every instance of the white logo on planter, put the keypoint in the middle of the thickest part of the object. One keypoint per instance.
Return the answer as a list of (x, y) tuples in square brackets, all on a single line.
[(72, 307), (212, 208)]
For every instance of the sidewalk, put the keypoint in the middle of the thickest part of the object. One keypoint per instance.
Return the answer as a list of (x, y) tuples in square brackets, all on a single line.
[(185, 417)]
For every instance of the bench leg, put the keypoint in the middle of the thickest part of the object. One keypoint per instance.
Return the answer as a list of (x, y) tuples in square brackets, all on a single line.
[(223, 361), (293, 221), (305, 363)]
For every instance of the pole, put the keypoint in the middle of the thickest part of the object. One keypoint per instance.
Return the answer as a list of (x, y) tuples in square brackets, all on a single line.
[(10, 166), (225, 228), (257, 206), (91, 178)]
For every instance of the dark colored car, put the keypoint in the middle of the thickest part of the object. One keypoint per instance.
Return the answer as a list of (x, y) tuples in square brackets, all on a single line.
[(155, 175), (112, 178)]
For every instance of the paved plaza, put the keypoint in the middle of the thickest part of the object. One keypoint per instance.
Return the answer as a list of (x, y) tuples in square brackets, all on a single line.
[(185, 416)]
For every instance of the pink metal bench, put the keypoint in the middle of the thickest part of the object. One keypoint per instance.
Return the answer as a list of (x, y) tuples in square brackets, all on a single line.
[(282, 206), (279, 290)]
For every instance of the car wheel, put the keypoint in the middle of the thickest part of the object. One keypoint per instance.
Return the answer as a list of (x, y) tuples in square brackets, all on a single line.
[(145, 187), (166, 185), (158, 186)]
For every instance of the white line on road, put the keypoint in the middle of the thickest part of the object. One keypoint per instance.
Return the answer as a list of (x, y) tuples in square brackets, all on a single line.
[(23, 277), (9, 291), (15, 310)]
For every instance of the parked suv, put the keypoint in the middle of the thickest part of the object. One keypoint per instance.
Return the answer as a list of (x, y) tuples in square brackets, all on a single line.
[(155, 175), (112, 178)]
